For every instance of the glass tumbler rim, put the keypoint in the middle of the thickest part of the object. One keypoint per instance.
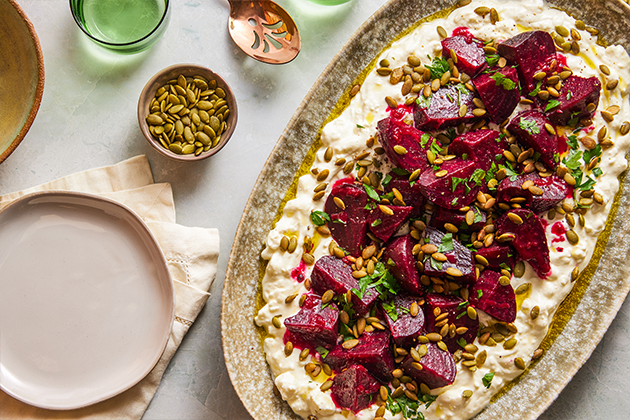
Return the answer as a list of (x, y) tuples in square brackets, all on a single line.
[(117, 45)]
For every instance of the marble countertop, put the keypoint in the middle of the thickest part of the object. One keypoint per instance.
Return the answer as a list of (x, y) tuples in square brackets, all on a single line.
[(88, 119)]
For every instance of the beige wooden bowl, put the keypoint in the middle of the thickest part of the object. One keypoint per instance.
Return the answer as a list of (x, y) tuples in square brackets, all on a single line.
[(21, 76), (171, 73)]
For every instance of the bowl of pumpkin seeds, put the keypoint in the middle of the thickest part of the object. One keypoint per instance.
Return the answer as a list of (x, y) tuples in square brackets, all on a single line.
[(187, 112)]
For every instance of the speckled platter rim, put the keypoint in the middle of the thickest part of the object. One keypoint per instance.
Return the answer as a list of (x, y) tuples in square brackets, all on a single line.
[(39, 89), (242, 347)]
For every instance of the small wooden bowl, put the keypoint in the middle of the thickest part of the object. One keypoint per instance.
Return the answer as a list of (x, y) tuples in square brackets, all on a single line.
[(21, 78), (171, 73)]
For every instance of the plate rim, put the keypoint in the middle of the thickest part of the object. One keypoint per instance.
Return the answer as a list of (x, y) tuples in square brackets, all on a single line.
[(569, 6), (163, 277)]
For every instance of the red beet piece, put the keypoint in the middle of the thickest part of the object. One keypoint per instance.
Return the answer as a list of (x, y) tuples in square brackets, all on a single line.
[(373, 352), (443, 108), (384, 226), (499, 256), (470, 55), (438, 367), (529, 239), (403, 327), (411, 193), (554, 191), (402, 264), (331, 273), (532, 52), (348, 227), (529, 128), (458, 188), (394, 132), (499, 92), (575, 95), (458, 256), (456, 309), (485, 147), (492, 298), (458, 219), (314, 325), (352, 389)]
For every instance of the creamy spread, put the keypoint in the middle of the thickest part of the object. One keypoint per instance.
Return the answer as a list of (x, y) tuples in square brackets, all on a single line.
[(347, 136)]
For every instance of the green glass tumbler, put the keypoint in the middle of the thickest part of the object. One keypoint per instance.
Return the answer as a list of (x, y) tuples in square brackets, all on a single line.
[(125, 26)]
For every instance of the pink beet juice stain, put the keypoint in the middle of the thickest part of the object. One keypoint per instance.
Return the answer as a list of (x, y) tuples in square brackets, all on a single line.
[(560, 231), (465, 32), (297, 273)]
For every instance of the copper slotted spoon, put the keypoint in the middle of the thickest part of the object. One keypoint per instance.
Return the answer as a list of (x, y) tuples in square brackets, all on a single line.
[(264, 31)]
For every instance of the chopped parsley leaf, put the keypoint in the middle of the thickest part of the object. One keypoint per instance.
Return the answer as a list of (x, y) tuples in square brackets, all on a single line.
[(572, 142), (319, 218), (478, 176), (590, 154), (552, 104), (529, 125), (536, 90), (569, 95), (446, 244), (360, 126), (505, 82), (424, 139), (597, 172), (424, 102), (455, 182), (438, 67), (371, 192), (492, 59), (376, 222), (487, 379), (322, 352)]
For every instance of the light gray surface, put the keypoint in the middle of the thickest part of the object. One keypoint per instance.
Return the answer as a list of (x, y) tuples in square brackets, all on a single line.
[(88, 119)]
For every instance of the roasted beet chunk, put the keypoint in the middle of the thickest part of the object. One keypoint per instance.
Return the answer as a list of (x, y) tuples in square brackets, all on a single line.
[(458, 219), (458, 257), (373, 352), (404, 327), (456, 309), (438, 367), (485, 147), (549, 191), (456, 189), (575, 96), (492, 298), (410, 191), (394, 132), (331, 273), (529, 128), (313, 325), (352, 389), (554, 190), (383, 226), (499, 256), (441, 109), (529, 238), (532, 51), (348, 226), (499, 92), (470, 55), (401, 263)]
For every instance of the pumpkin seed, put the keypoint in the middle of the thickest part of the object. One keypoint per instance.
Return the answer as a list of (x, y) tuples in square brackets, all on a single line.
[(534, 312)]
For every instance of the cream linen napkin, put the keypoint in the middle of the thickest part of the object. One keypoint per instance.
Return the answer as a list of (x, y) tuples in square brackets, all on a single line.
[(191, 254)]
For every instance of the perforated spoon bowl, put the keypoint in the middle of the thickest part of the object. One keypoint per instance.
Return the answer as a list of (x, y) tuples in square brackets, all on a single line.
[(264, 31)]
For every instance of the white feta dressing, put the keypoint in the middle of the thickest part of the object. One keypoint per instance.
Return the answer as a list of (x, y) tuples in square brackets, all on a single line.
[(348, 139)]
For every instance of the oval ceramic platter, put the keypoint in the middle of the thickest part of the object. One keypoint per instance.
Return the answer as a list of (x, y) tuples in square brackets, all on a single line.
[(21, 76), (86, 299), (594, 301)]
